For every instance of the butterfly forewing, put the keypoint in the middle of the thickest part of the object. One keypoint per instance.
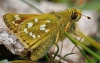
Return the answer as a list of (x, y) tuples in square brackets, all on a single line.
[(13, 20)]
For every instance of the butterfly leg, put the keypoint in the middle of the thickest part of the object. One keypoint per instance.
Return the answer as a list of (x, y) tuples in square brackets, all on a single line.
[(76, 39), (57, 37), (56, 40), (78, 35), (67, 26), (66, 29)]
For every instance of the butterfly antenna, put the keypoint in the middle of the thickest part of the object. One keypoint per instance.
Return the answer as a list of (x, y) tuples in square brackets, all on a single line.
[(79, 3), (86, 16)]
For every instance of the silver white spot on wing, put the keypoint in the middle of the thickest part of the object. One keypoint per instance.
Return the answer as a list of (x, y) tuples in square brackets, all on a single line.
[(36, 19), (25, 30), (42, 27), (48, 21), (16, 24), (30, 33), (17, 17), (38, 36), (34, 36), (46, 30), (13, 22), (29, 25)]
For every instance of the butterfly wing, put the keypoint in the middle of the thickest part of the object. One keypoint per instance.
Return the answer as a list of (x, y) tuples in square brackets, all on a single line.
[(38, 34), (13, 20)]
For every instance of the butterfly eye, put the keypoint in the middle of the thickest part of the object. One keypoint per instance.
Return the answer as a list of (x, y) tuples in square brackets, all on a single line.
[(73, 15)]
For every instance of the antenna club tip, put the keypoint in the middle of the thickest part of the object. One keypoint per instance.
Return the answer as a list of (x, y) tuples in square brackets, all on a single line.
[(88, 17), (81, 1)]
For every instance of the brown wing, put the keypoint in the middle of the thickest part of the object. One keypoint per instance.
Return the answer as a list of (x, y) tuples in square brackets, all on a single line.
[(12, 21)]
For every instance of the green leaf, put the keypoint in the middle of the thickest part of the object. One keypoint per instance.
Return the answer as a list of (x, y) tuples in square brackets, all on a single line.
[(83, 46)]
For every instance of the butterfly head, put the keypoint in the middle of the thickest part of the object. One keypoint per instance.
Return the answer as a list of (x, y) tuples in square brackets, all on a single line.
[(75, 14)]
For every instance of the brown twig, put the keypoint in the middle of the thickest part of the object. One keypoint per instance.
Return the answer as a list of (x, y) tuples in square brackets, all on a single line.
[(66, 59)]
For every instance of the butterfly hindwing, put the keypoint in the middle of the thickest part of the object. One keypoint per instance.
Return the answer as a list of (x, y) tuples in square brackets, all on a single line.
[(35, 28), (13, 20), (38, 33)]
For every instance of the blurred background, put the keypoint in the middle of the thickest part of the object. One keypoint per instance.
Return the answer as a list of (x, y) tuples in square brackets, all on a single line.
[(89, 27)]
